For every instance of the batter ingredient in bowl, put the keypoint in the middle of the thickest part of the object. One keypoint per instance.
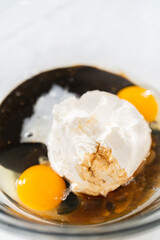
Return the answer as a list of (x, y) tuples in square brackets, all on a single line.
[(97, 142), (40, 188), (25, 121), (142, 99)]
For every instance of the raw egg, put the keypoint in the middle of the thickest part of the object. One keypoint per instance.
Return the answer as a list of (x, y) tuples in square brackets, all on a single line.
[(40, 188), (142, 99)]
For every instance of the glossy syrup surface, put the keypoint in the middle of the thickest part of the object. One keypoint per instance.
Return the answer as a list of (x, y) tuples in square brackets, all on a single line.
[(15, 157)]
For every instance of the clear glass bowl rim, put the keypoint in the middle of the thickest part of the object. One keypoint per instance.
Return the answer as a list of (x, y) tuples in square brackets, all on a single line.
[(138, 223)]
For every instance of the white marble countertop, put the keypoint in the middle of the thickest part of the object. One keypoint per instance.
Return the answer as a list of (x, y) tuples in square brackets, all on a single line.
[(118, 35)]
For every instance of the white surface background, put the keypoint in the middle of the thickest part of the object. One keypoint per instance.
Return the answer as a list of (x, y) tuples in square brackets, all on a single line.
[(118, 35)]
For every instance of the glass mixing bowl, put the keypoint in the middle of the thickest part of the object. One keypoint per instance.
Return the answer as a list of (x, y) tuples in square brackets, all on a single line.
[(118, 36)]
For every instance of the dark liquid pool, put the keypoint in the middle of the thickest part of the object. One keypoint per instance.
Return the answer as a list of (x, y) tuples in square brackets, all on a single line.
[(17, 157)]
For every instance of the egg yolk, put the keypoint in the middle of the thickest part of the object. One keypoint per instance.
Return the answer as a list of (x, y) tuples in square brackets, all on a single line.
[(40, 188), (142, 99)]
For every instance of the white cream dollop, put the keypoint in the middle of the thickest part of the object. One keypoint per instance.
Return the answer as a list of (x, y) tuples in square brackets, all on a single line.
[(97, 119)]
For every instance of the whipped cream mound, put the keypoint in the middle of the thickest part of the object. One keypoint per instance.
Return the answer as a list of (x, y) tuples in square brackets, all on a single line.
[(97, 142)]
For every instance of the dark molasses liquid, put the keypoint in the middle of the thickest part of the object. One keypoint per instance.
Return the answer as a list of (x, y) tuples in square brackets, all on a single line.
[(17, 157)]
